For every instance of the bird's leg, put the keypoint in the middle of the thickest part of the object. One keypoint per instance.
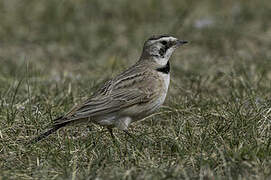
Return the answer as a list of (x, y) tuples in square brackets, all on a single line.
[(115, 142), (129, 134), (134, 137), (112, 136), (111, 133)]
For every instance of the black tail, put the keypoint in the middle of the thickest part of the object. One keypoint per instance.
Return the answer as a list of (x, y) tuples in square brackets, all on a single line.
[(47, 133)]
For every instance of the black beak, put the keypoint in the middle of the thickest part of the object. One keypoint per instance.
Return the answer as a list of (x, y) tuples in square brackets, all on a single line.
[(181, 42)]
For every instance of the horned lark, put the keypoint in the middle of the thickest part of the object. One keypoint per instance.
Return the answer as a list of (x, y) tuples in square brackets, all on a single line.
[(132, 95)]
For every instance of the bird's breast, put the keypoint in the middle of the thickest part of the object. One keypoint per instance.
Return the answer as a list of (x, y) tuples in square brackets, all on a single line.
[(165, 81), (162, 84)]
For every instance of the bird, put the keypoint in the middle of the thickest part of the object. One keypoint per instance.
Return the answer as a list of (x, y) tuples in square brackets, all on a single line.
[(130, 96)]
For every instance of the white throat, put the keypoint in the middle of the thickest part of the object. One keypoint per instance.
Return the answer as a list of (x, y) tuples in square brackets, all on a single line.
[(162, 61)]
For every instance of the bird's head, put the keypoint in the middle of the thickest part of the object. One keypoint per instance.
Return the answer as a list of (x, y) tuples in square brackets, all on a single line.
[(160, 48)]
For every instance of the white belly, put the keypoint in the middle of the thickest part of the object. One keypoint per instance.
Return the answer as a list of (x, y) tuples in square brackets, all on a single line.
[(161, 99)]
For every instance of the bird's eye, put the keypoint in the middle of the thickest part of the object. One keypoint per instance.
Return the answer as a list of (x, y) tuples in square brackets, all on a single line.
[(164, 42)]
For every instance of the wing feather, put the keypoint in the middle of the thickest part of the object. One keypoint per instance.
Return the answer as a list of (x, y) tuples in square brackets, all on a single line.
[(116, 95), (116, 101)]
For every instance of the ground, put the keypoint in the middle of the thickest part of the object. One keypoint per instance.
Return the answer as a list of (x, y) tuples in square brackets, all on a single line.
[(215, 123)]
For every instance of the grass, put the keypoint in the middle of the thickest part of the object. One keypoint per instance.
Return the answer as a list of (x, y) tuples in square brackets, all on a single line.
[(215, 123)]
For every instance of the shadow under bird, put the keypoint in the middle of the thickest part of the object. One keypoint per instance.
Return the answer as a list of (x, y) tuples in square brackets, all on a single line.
[(131, 96)]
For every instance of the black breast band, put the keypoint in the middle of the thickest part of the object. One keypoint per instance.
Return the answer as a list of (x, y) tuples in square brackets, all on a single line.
[(164, 69)]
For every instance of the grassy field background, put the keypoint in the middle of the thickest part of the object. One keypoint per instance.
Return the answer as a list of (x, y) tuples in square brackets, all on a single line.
[(215, 123)]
